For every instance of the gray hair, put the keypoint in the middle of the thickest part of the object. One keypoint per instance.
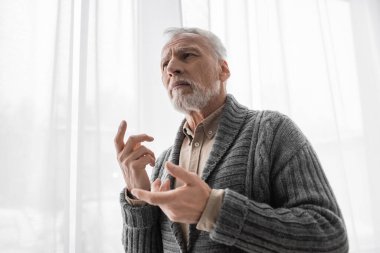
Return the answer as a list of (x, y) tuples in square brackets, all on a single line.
[(215, 42)]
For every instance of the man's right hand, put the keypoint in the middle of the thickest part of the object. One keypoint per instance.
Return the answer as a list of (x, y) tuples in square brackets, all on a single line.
[(133, 158)]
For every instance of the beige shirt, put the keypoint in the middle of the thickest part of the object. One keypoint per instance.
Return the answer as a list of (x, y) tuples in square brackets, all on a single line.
[(195, 151)]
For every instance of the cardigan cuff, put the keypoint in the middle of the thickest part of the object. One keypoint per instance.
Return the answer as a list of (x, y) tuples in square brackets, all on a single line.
[(138, 216), (232, 216), (132, 200)]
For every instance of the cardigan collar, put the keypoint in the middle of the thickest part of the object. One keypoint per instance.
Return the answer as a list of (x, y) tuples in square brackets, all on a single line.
[(232, 117), (231, 120)]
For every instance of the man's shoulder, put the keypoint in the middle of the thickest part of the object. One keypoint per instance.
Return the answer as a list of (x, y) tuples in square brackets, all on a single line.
[(275, 126), (269, 115), (268, 118), (235, 109)]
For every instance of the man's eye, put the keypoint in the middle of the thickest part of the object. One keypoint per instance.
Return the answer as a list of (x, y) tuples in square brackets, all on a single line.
[(187, 55), (164, 65)]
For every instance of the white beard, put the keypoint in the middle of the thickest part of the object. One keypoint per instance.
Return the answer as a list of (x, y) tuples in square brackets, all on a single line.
[(195, 101)]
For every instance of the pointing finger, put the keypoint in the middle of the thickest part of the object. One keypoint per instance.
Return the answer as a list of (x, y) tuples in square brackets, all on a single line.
[(156, 185), (134, 141), (180, 173), (119, 138), (154, 198)]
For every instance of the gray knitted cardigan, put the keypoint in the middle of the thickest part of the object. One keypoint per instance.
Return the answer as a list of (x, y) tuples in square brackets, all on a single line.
[(277, 198)]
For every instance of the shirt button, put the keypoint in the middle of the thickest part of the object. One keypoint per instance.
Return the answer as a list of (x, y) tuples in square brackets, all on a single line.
[(209, 132), (196, 144)]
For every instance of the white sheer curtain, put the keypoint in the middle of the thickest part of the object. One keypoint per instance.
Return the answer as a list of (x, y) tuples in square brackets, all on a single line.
[(35, 125), (318, 62), (70, 70)]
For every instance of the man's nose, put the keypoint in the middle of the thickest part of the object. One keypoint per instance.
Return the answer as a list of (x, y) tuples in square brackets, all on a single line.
[(174, 67)]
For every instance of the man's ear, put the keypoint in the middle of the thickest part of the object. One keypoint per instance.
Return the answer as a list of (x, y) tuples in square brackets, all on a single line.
[(224, 71)]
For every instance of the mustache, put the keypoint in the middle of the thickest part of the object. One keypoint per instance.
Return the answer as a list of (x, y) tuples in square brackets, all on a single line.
[(181, 81)]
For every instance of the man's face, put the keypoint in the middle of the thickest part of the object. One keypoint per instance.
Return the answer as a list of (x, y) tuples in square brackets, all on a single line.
[(190, 72)]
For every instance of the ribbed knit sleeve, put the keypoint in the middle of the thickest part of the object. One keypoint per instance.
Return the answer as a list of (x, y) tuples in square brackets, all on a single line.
[(141, 230), (302, 214), (141, 224)]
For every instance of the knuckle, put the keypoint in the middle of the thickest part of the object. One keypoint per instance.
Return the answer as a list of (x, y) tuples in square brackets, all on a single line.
[(143, 149), (174, 217), (145, 159), (169, 214), (139, 150), (133, 138)]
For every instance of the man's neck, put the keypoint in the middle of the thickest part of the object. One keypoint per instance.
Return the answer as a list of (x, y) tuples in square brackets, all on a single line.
[(194, 118)]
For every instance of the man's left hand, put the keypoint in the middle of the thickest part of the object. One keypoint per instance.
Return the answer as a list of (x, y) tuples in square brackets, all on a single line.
[(184, 204)]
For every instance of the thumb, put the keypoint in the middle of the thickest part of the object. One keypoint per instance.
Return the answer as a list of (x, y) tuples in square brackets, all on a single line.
[(138, 193)]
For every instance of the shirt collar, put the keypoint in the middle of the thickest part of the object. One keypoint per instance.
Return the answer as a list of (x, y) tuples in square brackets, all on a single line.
[(209, 125)]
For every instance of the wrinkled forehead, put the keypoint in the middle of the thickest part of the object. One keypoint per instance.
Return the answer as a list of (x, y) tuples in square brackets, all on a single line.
[(186, 40)]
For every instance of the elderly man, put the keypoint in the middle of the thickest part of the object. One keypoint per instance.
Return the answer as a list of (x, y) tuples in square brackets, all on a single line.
[(235, 180)]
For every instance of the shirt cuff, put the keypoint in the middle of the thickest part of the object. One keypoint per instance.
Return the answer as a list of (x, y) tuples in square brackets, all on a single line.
[(133, 201), (210, 213)]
